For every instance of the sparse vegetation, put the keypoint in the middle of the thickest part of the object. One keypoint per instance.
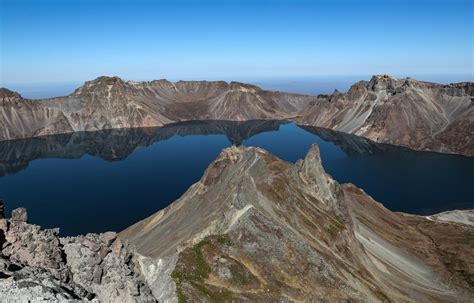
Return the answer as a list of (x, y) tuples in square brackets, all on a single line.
[(193, 269), (224, 240)]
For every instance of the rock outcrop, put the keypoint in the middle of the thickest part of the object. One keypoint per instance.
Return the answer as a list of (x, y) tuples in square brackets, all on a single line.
[(416, 114), (110, 103), (458, 216), (256, 228), (36, 264)]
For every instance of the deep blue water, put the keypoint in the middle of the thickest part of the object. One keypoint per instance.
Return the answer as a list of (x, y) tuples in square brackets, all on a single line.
[(108, 180)]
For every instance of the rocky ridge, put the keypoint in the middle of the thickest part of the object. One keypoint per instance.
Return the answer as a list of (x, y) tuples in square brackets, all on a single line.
[(416, 114), (110, 102), (254, 228), (463, 217)]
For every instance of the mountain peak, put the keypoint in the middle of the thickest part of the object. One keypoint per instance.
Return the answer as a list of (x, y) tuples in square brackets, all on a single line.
[(6, 93), (244, 158), (383, 82), (311, 170), (107, 80), (229, 158), (313, 154), (99, 84), (383, 76), (103, 81), (255, 217), (246, 86)]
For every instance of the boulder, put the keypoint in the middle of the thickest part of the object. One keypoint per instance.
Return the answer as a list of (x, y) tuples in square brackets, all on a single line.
[(20, 215)]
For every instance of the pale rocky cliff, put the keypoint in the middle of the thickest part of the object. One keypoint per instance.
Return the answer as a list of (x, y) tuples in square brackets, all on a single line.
[(416, 114), (256, 228), (110, 102)]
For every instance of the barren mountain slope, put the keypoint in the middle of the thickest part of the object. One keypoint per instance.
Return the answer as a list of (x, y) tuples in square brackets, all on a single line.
[(108, 103), (260, 229), (416, 114)]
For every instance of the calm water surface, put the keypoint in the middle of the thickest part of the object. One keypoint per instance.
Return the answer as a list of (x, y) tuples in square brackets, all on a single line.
[(108, 180)]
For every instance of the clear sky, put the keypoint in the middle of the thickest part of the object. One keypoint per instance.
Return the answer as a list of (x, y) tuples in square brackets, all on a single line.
[(46, 41)]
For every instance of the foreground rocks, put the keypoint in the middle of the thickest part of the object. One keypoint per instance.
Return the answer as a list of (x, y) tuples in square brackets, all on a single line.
[(36, 264), (416, 114), (255, 229)]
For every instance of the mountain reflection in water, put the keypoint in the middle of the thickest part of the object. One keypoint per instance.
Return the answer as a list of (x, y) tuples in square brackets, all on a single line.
[(64, 181)]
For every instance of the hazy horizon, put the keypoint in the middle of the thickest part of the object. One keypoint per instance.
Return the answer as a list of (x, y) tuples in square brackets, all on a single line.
[(302, 85), (56, 43)]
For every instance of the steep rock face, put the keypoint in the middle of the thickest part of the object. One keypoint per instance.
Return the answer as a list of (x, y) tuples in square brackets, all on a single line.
[(95, 106), (260, 229), (420, 115), (254, 228), (407, 112), (110, 102)]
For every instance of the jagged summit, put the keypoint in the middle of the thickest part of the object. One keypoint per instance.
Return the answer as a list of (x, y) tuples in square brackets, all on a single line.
[(311, 165), (378, 77), (416, 114), (6, 93), (262, 229), (240, 85), (256, 229), (100, 83), (383, 82), (109, 80), (234, 154), (104, 81)]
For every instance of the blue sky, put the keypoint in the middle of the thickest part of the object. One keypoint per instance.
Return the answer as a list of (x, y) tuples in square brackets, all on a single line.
[(45, 41)]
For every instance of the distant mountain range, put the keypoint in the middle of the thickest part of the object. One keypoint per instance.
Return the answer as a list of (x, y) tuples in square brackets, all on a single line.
[(416, 114)]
